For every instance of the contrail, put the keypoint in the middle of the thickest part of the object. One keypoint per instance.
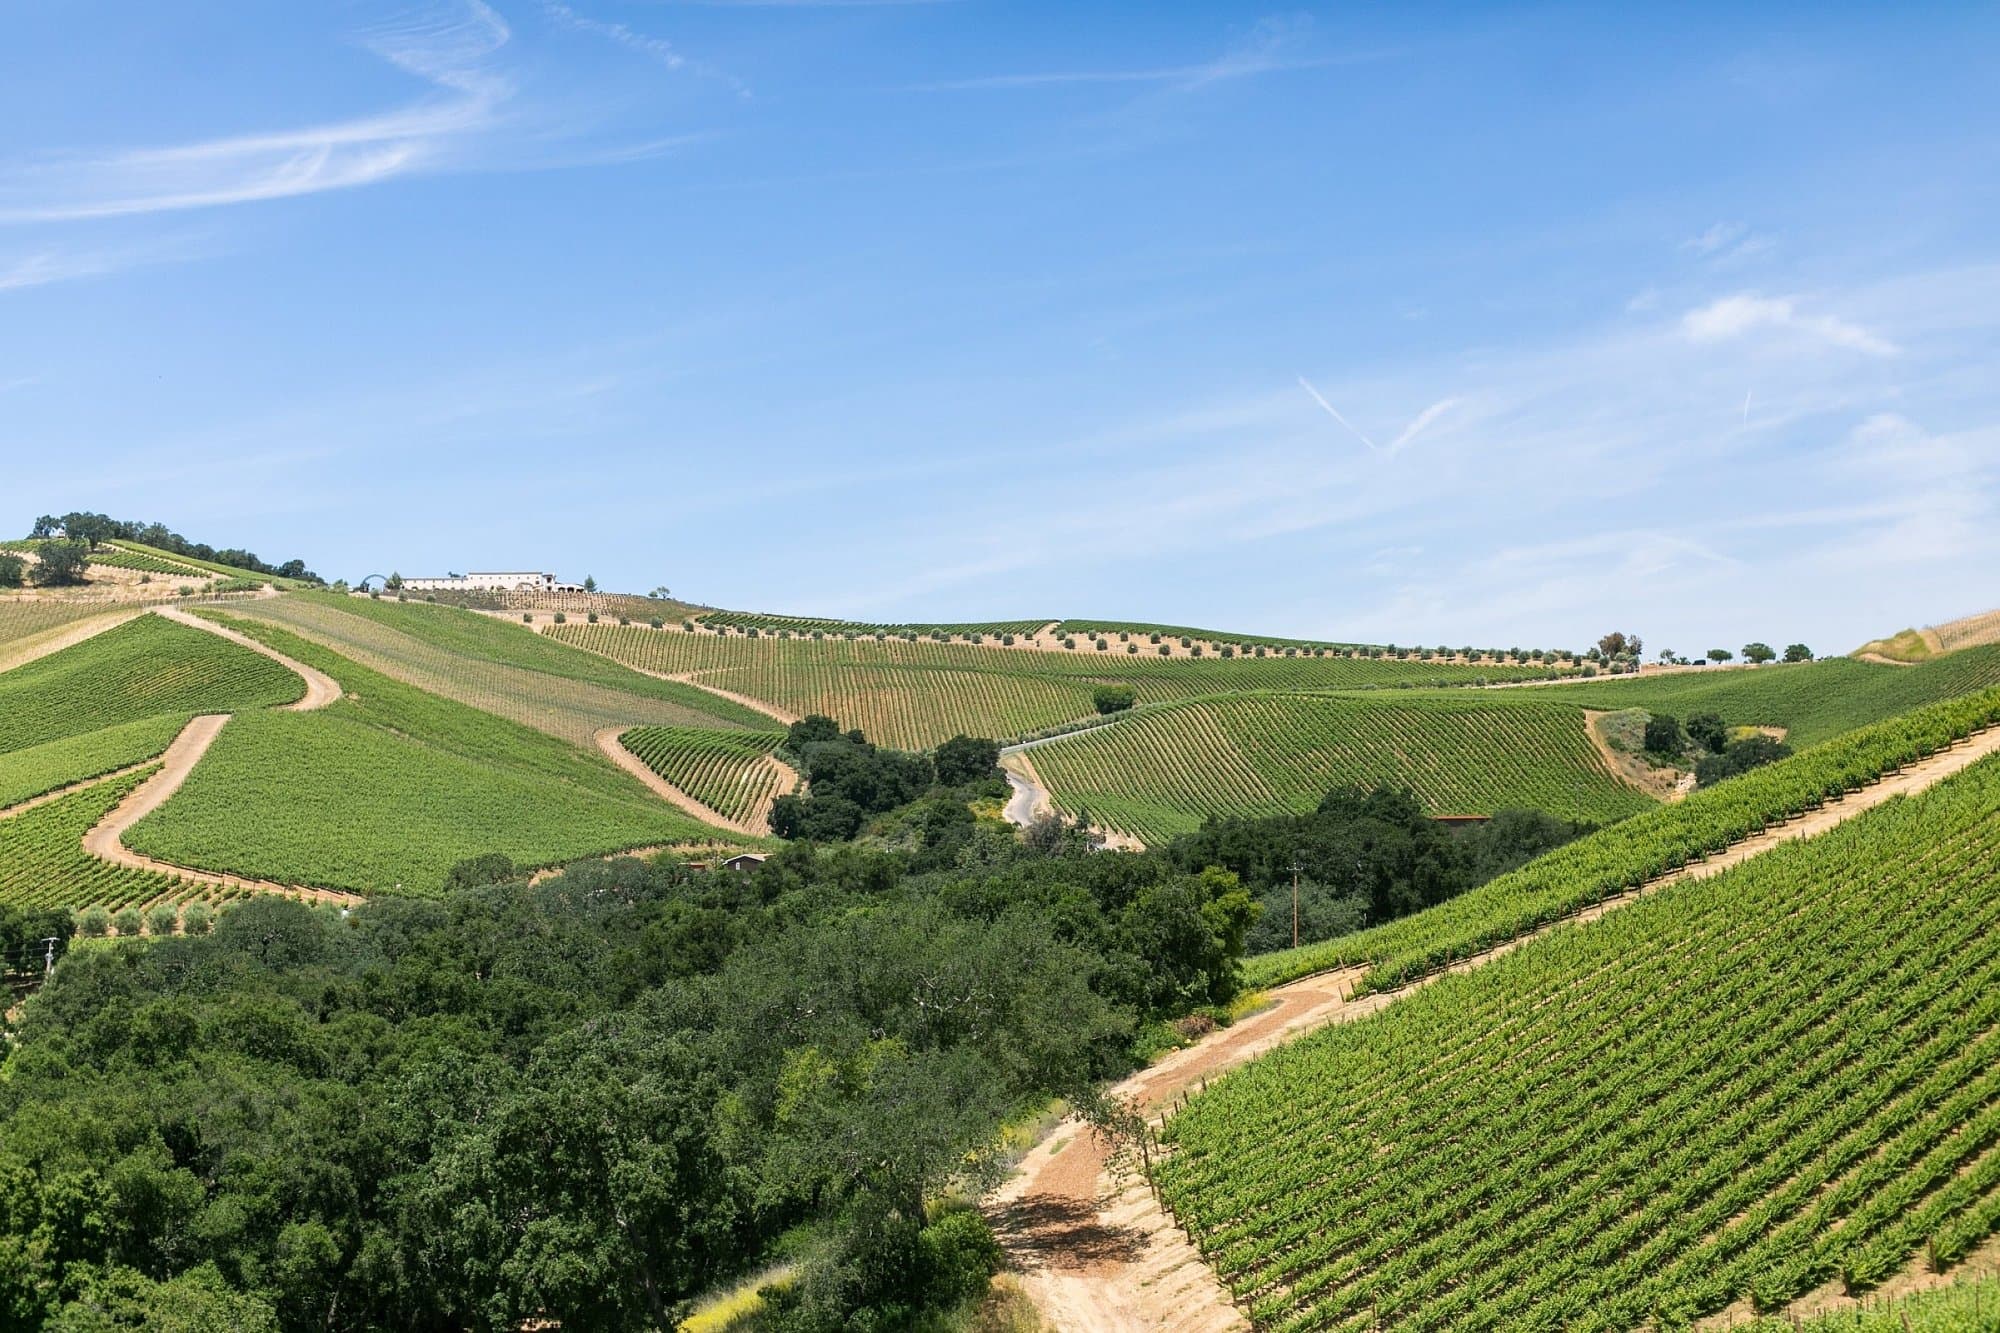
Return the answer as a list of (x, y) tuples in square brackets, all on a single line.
[(1422, 422), (1334, 412), (1746, 406)]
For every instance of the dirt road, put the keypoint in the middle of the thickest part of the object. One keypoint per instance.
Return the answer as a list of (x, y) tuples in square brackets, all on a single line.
[(1092, 1247), (321, 689), (107, 840)]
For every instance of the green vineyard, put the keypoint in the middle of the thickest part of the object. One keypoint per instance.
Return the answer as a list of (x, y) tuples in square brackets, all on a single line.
[(565, 693), (1813, 701), (144, 668), (1626, 855), (388, 788), (28, 773), (809, 625), (118, 557), (1750, 1085), (1162, 771), (915, 695), (43, 864), (24, 618), (730, 772)]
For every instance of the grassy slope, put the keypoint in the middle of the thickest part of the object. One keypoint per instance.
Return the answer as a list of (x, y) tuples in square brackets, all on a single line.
[(148, 667), (918, 694), (1813, 701), (393, 786), (501, 668), (1160, 772), (1753, 1083)]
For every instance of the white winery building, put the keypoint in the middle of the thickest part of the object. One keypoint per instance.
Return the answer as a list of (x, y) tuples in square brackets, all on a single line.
[(501, 582)]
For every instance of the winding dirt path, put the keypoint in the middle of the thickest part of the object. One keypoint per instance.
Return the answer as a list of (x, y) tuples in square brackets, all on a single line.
[(607, 741), (1091, 1245), (1030, 800), (321, 689), (106, 840)]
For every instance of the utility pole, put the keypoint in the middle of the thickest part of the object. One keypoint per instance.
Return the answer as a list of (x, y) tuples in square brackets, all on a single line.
[(1295, 902), (49, 956)]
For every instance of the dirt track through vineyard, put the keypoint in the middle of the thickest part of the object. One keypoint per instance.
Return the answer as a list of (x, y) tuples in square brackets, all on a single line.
[(106, 840), (1090, 1243)]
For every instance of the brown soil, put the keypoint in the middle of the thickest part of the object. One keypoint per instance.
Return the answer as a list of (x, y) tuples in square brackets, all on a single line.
[(607, 741), (1092, 1245)]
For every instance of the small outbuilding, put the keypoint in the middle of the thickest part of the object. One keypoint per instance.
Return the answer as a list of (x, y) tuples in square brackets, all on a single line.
[(746, 861)]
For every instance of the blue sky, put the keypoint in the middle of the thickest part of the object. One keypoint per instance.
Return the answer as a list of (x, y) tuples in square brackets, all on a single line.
[(1407, 323)]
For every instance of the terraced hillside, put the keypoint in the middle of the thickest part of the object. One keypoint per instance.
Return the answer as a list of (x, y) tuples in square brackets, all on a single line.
[(731, 772), (914, 695), (1162, 771), (1783, 1076), (148, 667), (497, 667), (1615, 860), (391, 786), (1813, 701)]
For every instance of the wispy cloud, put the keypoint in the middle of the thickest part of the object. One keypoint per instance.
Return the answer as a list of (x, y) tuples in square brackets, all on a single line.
[(45, 266), (448, 49), (1746, 313), (1270, 48), (1418, 424), (657, 49)]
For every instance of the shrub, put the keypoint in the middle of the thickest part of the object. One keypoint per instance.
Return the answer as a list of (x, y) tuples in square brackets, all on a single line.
[(1260, 650), (1114, 698), (561, 619), (1228, 651), (1166, 651), (1187, 643), (624, 620), (957, 1257), (1131, 647), (161, 918), (93, 922), (197, 919), (1102, 645), (1664, 735), (128, 921), (688, 625), (1156, 638), (1195, 651), (527, 618), (1069, 643), (1005, 639)]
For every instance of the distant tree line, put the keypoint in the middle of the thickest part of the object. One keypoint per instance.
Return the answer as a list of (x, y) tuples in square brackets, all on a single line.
[(91, 529)]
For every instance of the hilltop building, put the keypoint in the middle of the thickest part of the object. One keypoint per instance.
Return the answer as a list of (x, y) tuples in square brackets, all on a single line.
[(502, 582)]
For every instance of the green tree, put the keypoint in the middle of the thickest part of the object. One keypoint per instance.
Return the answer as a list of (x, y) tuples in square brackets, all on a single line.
[(1113, 698), (589, 583), (13, 570), (1664, 735), (1719, 654), (964, 759), (1758, 652), (60, 564), (1798, 652), (394, 583), (1707, 731)]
